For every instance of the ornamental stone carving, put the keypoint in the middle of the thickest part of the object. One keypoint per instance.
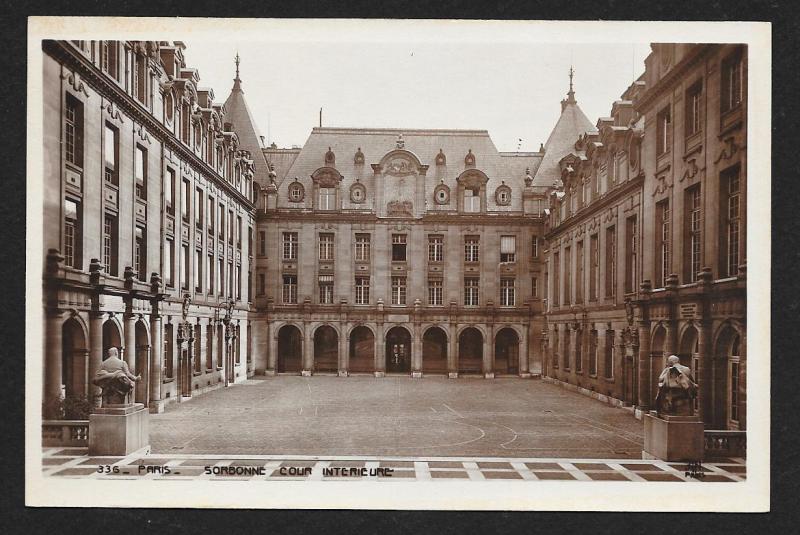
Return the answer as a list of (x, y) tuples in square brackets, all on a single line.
[(358, 159), (358, 193), (400, 208), (502, 195)]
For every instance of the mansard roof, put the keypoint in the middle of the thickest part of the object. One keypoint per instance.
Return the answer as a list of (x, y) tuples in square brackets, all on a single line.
[(238, 113)]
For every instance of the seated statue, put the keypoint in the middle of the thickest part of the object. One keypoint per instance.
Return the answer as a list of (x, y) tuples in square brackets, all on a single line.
[(676, 389), (116, 379)]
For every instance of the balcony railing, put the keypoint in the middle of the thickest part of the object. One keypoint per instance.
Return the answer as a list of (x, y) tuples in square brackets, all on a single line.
[(65, 433), (723, 443)]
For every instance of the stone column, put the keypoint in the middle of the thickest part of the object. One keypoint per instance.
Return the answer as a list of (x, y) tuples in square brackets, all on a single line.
[(488, 353), (308, 351), (644, 365), (156, 360), (380, 352), (52, 363), (416, 351), (452, 351), (129, 321), (95, 354), (525, 343), (272, 353), (344, 356), (602, 341)]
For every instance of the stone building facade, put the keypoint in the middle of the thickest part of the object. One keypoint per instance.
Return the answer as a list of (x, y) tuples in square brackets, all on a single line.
[(676, 218)]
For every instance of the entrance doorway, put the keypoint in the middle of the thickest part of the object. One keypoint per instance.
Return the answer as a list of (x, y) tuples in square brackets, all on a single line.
[(398, 350), (326, 349), (506, 352), (362, 350), (434, 351), (290, 350), (470, 351)]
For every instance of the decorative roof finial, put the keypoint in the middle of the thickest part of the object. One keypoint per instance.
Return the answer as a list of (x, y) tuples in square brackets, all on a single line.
[(571, 73), (237, 59)]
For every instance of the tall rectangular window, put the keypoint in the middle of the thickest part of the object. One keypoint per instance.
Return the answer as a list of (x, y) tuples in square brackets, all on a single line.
[(435, 248), (111, 155), (362, 290), (507, 292), (140, 253), (730, 185), (210, 274), (198, 271), (398, 290), (72, 233), (664, 131), (508, 248), (326, 289), (186, 267), (169, 192), (140, 168), (230, 280), (221, 223), (732, 82), (198, 211), (262, 284), (471, 290), (471, 244), (327, 198), (567, 275), (262, 243), (534, 247), (593, 352), (110, 244), (734, 390), (108, 57), (611, 261), (231, 229), (579, 352), (140, 77), (211, 218), (239, 232), (435, 294), (567, 348), (594, 260), (693, 216), (662, 243), (579, 273), (290, 245), (209, 348), (398, 247), (220, 284), (326, 246), (362, 247), (185, 200), (609, 354), (556, 279), (472, 200), (290, 289), (238, 274), (169, 259), (630, 254), (534, 287), (73, 130), (693, 108)]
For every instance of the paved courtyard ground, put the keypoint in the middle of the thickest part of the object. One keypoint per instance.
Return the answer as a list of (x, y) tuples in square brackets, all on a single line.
[(397, 416)]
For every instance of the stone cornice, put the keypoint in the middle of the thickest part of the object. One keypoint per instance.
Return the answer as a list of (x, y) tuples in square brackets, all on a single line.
[(93, 76), (370, 217), (672, 77)]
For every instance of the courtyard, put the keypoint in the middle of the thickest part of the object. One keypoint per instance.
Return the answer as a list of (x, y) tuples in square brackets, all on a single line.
[(397, 416)]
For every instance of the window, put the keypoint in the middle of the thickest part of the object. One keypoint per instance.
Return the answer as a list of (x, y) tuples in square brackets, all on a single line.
[(140, 253), (664, 131), (230, 279), (72, 233), (108, 57), (362, 290), (630, 257), (731, 213), (593, 352), (594, 260), (508, 248), (290, 289), (472, 199), (140, 77), (556, 279), (262, 243), (693, 103), (694, 228), (326, 289), (250, 250), (296, 192), (579, 273), (732, 82), (435, 248), (362, 247), (534, 287), (556, 346), (238, 275), (327, 198), (587, 191), (435, 294), (471, 244), (612, 169), (141, 173), (185, 264), (231, 229), (185, 200), (535, 247), (609, 360), (111, 155), (262, 284), (239, 232), (220, 276), (198, 213), (611, 261), (110, 244), (211, 211), (507, 297), (326, 246), (567, 275), (290, 245), (471, 291), (567, 348), (73, 131), (662, 243), (733, 387), (169, 259), (209, 347), (169, 192), (398, 247), (221, 227), (198, 271), (579, 352), (210, 274), (398, 290)]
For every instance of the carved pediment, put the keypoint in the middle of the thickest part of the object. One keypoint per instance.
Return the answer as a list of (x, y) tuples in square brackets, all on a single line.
[(326, 177)]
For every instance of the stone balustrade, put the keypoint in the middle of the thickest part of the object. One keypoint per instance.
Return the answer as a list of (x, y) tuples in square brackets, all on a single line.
[(72, 433), (725, 443)]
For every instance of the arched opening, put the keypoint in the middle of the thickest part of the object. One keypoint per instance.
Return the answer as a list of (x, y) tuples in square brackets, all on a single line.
[(470, 351), (362, 350), (75, 360), (398, 350), (290, 350), (326, 349), (142, 359), (729, 410), (689, 348), (111, 338), (657, 345), (506, 352), (434, 351)]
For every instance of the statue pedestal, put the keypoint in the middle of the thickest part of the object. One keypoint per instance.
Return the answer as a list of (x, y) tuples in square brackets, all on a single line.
[(673, 438), (118, 429)]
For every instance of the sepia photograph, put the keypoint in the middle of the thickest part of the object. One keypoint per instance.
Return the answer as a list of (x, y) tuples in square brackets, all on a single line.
[(397, 265)]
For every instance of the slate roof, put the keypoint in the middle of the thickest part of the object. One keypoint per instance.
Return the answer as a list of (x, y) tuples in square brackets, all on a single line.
[(571, 124), (238, 113)]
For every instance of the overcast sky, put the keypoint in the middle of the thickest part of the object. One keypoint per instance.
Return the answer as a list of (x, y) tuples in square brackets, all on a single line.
[(510, 89)]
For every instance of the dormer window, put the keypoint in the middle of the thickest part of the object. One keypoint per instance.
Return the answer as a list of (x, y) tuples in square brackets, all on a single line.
[(327, 199), (296, 192), (503, 195), (472, 199)]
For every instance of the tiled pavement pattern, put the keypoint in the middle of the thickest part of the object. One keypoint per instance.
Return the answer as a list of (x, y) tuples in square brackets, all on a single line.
[(397, 416), (75, 463)]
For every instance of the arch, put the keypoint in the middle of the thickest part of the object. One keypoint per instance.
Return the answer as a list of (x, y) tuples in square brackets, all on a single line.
[(470, 350), (398, 350), (658, 339), (434, 350), (401, 154), (290, 349), (112, 336), (506, 351), (362, 350), (326, 349), (74, 359), (729, 364), (142, 337), (688, 348)]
